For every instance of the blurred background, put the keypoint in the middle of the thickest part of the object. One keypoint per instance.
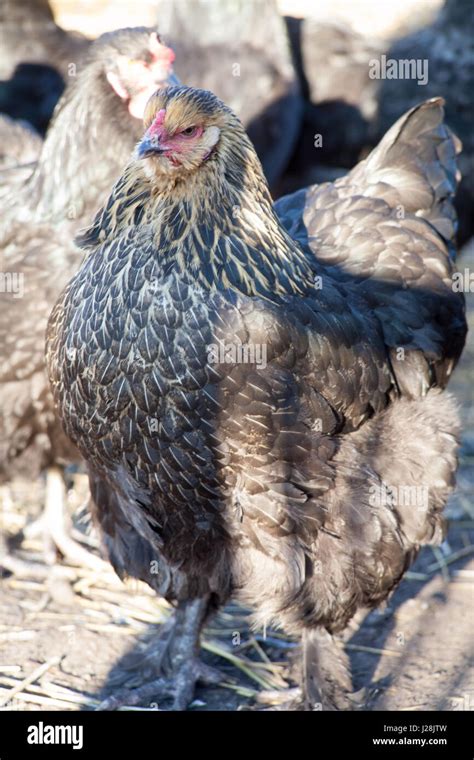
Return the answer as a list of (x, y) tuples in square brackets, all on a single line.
[(92, 17)]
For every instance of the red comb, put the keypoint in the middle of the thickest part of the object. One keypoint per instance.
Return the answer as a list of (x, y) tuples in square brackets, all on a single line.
[(159, 51), (157, 121), (160, 116)]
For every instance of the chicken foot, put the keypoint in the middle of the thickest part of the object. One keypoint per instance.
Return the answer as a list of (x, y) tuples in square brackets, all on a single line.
[(54, 525), (174, 661)]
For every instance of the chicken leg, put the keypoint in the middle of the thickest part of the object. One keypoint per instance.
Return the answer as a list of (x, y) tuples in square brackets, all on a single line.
[(326, 673), (173, 660), (54, 526)]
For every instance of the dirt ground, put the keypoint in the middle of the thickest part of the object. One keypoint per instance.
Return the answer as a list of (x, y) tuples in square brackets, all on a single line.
[(64, 632), (415, 654)]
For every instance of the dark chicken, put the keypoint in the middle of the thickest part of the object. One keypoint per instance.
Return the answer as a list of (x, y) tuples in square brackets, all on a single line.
[(266, 478), (29, 34), (95, 127), (37, 59), (351, 110), (340, 99)]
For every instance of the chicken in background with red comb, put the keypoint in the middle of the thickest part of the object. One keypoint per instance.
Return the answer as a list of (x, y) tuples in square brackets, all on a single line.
[(136, 80), (95, 127)]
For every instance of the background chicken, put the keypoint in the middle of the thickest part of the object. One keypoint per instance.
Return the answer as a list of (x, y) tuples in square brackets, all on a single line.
[(98, 116), (265, 480), (37, 58), (339, 100), (20, 148), (241, 51)]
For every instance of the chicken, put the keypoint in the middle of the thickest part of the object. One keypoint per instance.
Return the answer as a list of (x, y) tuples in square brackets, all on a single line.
[(37, 57), (241, 51), (31, 94), (340, 99), (19, 143), (29, 34), (95, 127), (445, 51), (245, 431)]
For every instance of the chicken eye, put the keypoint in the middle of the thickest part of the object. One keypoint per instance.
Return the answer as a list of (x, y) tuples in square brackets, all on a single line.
[(189, 131)]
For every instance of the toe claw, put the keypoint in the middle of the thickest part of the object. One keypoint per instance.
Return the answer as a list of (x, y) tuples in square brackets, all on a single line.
[(157, 689), (180, 688)]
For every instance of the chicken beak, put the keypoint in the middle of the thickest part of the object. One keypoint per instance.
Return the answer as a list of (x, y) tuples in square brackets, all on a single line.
[(149, 146), (172, 80)]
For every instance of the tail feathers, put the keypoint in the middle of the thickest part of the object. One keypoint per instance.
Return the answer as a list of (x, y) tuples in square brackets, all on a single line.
[(416, 160)]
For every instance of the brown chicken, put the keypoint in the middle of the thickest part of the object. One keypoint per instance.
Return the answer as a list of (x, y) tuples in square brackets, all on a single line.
[(237, 405), (95, 126)]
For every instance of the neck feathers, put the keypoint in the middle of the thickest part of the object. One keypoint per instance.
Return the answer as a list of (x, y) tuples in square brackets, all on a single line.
[(216, 226), (89, 141)]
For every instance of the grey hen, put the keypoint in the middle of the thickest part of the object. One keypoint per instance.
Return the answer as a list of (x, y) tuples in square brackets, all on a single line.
[(237, 404), (19, 151)]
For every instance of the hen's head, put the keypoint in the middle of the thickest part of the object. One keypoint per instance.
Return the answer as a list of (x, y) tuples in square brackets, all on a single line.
[(186, 129), (134, 62)]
